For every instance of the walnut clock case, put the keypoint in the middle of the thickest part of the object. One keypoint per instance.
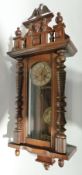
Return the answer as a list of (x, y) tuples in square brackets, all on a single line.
[(41, 75)]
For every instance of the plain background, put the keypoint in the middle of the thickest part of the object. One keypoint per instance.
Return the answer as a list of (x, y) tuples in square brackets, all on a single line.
[(12, 14)]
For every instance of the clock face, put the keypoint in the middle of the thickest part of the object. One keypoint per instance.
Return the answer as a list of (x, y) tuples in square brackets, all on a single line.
[(41, 74), (47, 116)]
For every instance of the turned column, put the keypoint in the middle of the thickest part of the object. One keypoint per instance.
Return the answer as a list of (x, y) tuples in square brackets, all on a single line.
[(19, 101), (60, 140)]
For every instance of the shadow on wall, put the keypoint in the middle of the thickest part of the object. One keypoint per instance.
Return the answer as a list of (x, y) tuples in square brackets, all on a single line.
[(12, 99), (8, 95), (74, 97), (4, 87)]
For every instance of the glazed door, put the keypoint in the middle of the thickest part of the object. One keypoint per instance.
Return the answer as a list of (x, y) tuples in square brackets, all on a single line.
[(39, 110)]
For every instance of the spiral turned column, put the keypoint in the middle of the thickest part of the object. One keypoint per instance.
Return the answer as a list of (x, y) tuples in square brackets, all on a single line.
[(19, 101), (60, 139)]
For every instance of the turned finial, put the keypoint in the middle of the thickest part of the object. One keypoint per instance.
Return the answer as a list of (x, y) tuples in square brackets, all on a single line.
[(18, 39), (59, 18), (46, 166), (17, 152), (18, 32), (61, 162)]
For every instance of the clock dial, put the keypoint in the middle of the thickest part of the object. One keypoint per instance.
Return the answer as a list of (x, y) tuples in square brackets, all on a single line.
[(47, 116), (41, 73)]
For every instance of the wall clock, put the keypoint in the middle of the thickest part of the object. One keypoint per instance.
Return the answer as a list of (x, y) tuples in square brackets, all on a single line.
[(41, 56)]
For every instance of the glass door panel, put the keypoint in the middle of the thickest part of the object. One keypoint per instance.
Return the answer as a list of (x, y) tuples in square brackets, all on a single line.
[(39, 123)]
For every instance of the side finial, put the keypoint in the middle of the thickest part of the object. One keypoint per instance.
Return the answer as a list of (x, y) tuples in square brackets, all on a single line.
[(18, 32), (59, 18)]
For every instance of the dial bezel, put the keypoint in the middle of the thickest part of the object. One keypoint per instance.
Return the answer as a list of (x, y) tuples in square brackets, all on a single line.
[(41, 73)]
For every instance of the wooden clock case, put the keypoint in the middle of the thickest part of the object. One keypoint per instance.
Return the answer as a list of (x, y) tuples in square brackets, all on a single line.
[(52, 45)]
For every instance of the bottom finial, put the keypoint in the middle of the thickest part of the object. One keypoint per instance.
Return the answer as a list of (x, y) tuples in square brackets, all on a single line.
[(17, 152)]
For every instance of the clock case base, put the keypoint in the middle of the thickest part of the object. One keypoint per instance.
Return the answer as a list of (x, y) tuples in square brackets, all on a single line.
[(45, 155)]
